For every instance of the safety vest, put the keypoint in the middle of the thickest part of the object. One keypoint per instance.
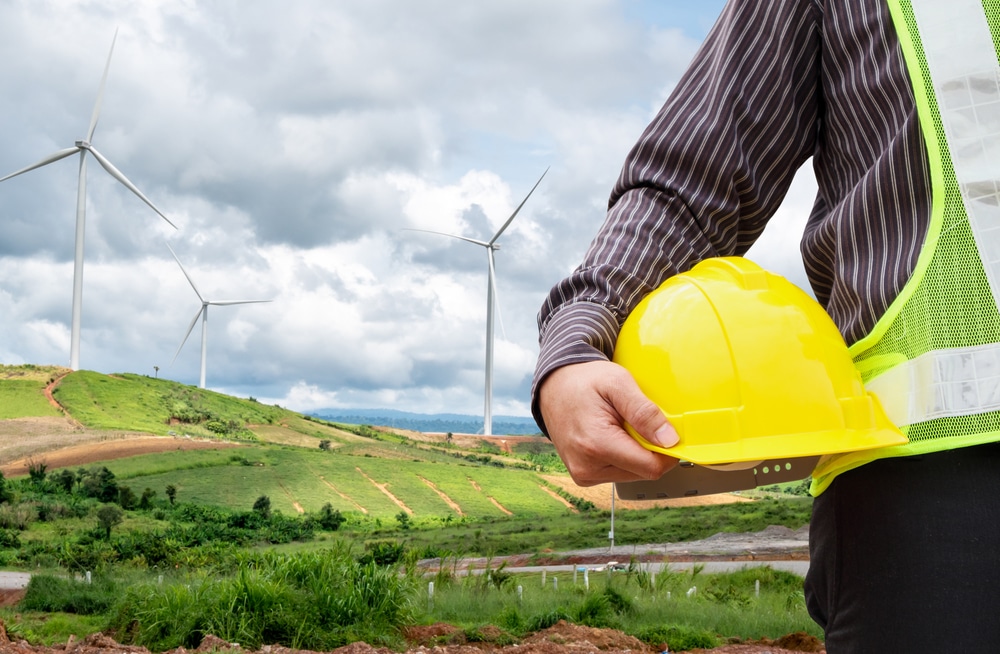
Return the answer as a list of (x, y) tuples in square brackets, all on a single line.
[(933, 359)]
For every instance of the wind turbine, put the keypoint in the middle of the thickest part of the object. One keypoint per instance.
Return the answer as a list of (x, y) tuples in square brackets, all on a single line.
[(203, 314), (491, 247), (83, 147)]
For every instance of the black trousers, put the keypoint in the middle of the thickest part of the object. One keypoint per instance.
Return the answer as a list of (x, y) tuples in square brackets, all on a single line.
[(905, 555)]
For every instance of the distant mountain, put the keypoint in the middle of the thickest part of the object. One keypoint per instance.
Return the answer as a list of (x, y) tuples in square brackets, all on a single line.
[(430, 422)]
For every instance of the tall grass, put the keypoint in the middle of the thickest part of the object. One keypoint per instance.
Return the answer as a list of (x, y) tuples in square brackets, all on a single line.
[(667, 611), (319, 600)]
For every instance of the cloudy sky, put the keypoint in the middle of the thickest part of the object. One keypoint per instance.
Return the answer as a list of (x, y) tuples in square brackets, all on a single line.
[(294, 144)]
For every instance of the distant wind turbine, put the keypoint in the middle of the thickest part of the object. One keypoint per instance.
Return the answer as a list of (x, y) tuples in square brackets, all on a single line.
[(83, 147), (203, 314), (491, 291)]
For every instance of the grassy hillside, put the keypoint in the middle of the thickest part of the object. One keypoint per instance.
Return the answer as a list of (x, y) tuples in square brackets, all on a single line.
[(362, 471), (22, 391), (140, 403)]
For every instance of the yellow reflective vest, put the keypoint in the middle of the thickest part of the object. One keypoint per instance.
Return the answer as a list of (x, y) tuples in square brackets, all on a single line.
[(933, 359)]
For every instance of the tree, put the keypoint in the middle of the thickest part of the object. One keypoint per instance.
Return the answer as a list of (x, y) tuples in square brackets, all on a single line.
[(65, 479), (403, 518), (126, 498), (4, 491), (330, 519), (37, 471), (324, 445), (263, 506), (146, 501), (108, 516), (100, 483), (171, 493)]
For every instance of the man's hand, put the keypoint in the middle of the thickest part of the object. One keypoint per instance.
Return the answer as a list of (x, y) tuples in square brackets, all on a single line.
[(585, 407)]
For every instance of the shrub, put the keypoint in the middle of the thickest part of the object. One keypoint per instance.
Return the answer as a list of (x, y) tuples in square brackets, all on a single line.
[(64, 479), (126, 498), (330, 519), (263, 506), (56, 594), (678, 638), (9, 539), (383, 552), (317, 601), (146, 501), (17, 516)]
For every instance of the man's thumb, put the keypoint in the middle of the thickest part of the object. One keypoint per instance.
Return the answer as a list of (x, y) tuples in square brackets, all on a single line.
[(646, 418)]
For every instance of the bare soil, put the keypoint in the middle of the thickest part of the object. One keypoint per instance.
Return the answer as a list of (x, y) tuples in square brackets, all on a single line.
[(86, 446), (561, 638)]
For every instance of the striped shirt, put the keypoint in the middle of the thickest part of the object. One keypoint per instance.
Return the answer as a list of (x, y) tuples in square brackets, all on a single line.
[(775, 83)]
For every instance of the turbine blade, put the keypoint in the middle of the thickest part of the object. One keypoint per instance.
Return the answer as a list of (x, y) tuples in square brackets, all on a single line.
[(117, 174), (226, 303), (190, 281), (461, 238), (188, 333), (511, 219), (62, 154), (496, 295), (100, 92)]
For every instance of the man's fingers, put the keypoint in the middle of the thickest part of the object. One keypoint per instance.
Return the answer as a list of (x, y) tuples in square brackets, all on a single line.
[(640, 412), (583, 407)]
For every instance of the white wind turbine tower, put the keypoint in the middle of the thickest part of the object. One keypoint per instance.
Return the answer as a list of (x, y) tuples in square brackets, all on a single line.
[(83, 147), (203, 314), (491, 247)]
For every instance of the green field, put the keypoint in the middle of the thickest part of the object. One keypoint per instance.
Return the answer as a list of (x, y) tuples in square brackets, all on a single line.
[(234, 478), (24, 398)]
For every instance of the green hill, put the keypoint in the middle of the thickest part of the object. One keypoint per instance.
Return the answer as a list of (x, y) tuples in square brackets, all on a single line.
[(361, 470)]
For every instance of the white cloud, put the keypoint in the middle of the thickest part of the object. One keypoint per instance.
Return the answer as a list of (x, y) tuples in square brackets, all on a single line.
[(292, 144)]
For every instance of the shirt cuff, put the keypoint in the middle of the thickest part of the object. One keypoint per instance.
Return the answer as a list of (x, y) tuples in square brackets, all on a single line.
[(575, 333)]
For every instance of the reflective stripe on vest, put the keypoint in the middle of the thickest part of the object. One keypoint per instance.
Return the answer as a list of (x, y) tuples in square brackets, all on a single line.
[(934, 358)]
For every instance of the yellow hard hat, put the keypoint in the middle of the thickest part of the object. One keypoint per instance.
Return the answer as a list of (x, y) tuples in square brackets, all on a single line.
[(747, 367)]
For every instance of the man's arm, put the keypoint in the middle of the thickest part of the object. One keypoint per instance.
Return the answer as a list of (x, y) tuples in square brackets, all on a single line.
[(702, 181)]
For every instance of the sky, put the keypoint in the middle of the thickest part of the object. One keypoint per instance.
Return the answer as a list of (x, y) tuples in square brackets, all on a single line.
[(296, 145)]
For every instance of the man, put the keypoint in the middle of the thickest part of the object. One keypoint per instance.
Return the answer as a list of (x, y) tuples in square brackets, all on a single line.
[(894, 102)]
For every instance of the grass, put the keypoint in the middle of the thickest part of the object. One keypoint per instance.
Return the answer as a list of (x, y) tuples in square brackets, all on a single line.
[(24, 398), (321, 600), (311, 478), (139, 403), (644, 605)]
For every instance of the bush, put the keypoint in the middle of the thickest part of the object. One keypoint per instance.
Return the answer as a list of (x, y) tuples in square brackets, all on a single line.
[(263, 506), (678, 638), (55, 594), (329, 518), (317, 601), (9, 539), (383, 552)]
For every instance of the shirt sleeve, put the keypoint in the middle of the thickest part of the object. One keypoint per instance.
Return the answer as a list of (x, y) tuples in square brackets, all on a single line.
[(702, 180)]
